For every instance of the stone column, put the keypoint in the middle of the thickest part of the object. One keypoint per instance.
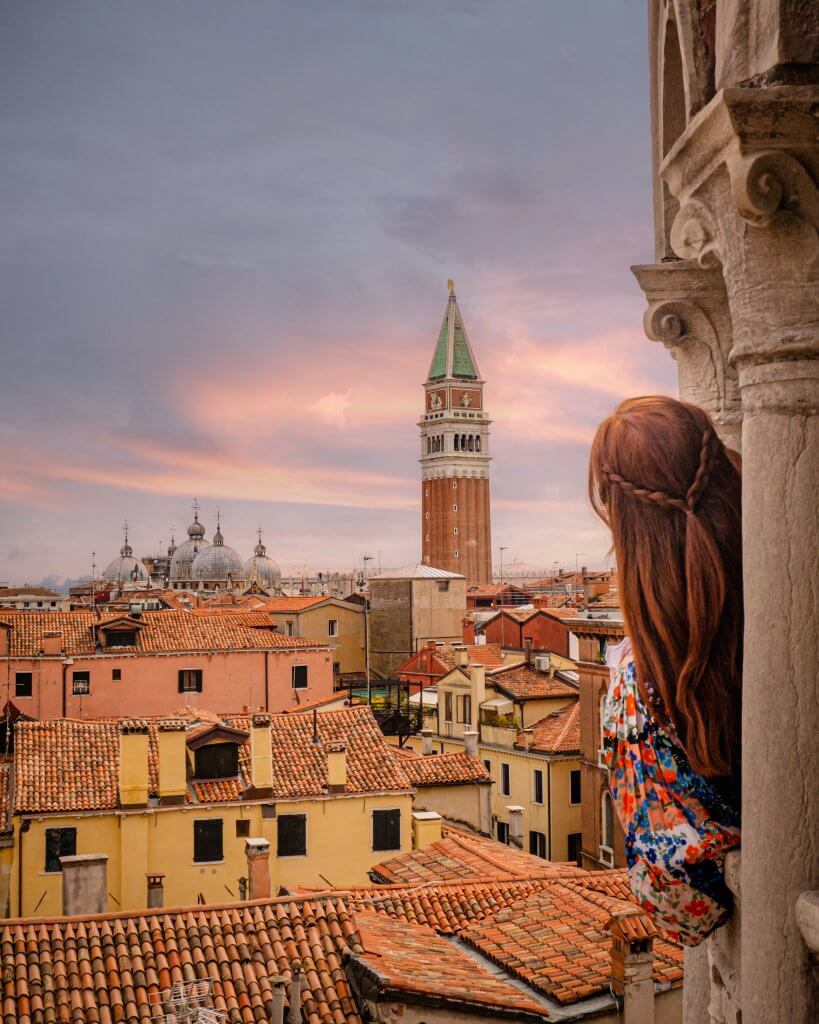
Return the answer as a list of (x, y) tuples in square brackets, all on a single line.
[(688, 313), (744, 173)]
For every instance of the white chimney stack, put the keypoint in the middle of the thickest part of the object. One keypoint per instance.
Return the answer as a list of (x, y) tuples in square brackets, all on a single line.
[(471, 742), (515, 825)]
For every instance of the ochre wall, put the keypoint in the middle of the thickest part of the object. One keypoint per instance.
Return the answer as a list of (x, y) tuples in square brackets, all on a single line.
[(150, 683), (313, 624), (339, 850)]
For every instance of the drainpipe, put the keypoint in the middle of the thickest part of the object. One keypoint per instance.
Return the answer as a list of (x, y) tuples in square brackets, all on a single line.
[(66, 663), (25, 825), (266, 682), (549, 809)]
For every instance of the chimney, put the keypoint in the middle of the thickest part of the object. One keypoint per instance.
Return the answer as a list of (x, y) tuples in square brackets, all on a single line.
[(426, 828), (477, 690), (471, 742), (294, 1011), (85, 884), (258, 868), (461, 657), (468, 631), (527, 647), (261, 756), (426, 742), (277, 1010), (5, 643), (156, 890), (336, 766), (528, 738), (515, 825), (133, 762), (632, 958), (173, 760), (52, 643)]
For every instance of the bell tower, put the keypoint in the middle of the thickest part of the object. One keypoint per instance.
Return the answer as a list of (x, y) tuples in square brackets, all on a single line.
[(455, 526)]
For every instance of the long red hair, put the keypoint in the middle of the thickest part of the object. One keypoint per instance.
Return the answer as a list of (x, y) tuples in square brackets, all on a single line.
[(670, 491)]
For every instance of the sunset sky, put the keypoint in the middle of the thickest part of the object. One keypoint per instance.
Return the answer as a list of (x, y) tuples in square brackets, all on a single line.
[(227, 230)]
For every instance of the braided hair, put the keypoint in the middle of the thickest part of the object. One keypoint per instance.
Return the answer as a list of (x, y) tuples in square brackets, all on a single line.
[(669, 489)]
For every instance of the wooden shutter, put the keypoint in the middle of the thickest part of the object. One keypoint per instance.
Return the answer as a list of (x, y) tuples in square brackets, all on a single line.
[(292, 835), (387, 830), (207, 839)]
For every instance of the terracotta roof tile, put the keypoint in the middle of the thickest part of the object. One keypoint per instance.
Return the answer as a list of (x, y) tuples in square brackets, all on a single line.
[(490, 655), (418, 962), (113, 968), (558, 940), (70, 765), (289, 605), (462, 856), (159, 632), (523, 682), (445, 769), (558, 733), (5, 796)]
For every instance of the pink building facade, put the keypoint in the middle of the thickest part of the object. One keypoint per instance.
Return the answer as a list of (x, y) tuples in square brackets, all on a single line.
[(83, 671)]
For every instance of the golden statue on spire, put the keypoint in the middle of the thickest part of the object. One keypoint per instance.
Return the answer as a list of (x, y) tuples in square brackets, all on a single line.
[(451, 285)]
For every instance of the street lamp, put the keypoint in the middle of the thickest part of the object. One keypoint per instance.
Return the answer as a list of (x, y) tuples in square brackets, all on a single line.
[(365, 559), (503, 548)]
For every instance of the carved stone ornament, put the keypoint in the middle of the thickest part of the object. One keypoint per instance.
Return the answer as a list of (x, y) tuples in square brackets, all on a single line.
[(771, 181), (694, 235), (466, 401), (435, 401)]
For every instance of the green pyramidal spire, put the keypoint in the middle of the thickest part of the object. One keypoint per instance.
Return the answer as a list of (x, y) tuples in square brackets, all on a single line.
[(453, 354)]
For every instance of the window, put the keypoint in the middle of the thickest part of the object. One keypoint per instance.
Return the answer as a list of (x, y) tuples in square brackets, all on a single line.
[(466, 709), (443, 585), (457, 443), (22, 684), (454, 485), (537, 778), (81, 683), (242, 827), (298, 677), (574, 786), (292, 835), (190, 680), (447, 706), (336, 668), (59, 842), (116, 674), (537, 844), (608, 821), (575, 839), (207, 840), (216, 761), (505, 785), (503, 832), (455, 530), (387, 830), (332, 627), (121, 638), (455, 552), (487, 765), (289, 627), (454, 508)]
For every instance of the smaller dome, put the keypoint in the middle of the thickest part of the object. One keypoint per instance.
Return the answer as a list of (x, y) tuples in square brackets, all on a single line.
[(125, 568), (262, 570)]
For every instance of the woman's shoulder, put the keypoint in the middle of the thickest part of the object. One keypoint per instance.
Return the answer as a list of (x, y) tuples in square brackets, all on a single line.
[(619, 655)]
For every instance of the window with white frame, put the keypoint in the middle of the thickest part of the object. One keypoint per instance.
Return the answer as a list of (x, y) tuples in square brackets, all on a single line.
[(332, 627)]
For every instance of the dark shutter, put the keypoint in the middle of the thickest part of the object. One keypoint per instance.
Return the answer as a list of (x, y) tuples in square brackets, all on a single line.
[(574, 847), (538, 786), (537, 844), (59, 842), (505, 791), (190, 680), (299, 677), (81, 683), (22, 684), (387, 830), (217, 761), (575, 786), (207, 839), (292, 835)]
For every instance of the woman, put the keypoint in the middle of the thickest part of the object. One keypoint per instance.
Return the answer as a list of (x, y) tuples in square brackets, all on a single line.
[(669, 490)]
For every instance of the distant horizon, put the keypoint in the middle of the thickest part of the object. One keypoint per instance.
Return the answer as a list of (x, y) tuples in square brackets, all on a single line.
[(225, 258)]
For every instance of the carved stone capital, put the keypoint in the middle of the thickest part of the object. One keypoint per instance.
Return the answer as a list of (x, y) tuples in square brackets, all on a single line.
[(745, 174), (688, 313)]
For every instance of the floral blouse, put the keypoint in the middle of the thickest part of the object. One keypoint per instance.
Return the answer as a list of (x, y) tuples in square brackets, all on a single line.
[(678, 825)]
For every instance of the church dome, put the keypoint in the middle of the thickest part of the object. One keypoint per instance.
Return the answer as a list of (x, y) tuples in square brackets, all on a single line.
[(218, 563), (125, 568), (183, 556), (262, 570)]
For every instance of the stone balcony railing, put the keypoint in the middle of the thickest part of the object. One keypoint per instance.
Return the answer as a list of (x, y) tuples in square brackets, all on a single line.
[(500, 735)]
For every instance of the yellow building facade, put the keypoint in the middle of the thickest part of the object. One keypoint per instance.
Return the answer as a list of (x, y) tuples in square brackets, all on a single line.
[(177, 800), (332, 622)]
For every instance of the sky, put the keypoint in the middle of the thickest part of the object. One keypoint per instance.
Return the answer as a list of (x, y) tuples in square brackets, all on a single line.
[(226, 235)]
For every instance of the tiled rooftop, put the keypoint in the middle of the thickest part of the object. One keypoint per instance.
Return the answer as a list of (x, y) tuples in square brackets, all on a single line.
[(445, 769), (290, 605), (461, 855), (417, 962), (557, 733), (70, 765), (159, 632), (113, 968), (490, 655), (558, 941), (523, 682)]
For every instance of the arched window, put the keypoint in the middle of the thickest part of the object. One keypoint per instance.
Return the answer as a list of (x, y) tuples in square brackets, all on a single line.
[(477, 443), (463, 442), (457, 442), (429, 446), (471, 443)]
